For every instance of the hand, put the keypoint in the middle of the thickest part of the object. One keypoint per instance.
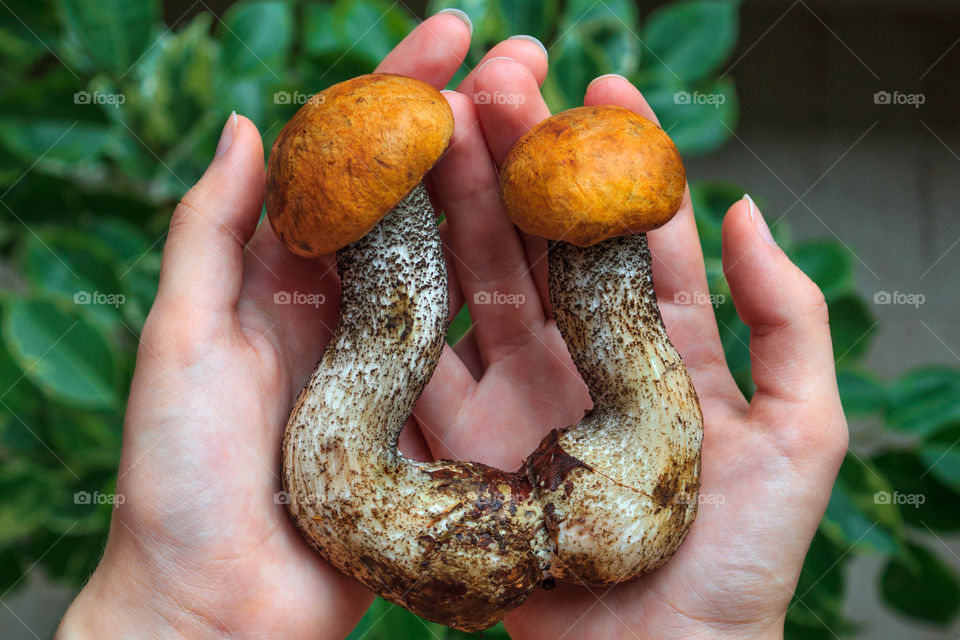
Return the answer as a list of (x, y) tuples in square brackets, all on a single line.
[(200, 548), (768, 465)]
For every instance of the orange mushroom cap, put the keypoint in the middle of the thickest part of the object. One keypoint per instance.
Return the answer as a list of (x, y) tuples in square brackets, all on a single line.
[(592, 173), (349, 155)]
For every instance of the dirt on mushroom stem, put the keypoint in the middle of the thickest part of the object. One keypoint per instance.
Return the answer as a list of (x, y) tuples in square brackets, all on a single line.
[(461, 543)]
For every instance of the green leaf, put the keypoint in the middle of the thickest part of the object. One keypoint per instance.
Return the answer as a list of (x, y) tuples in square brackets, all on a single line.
[(169, 102), (922, 587), (12, 570), (794, 631), (67, 558), (922, 499), (72, 264), (24, 31), (368, 30), (87, 441), (941, 455), (687, 41), (18, 398), (861, 392), (711, 199), (255, 38), (532, 17), (53, 144), (698, 120), (861, 511), (735, 337), (852, 326), (61, 352), (493, 633), (459, 325), (138, 266), (595, 39), (83, 505), (818, 599), (112, 33), (827, 263), (386, 621), (574, 63), (25, 499), (127, 242), (489, 25), (924, 400)]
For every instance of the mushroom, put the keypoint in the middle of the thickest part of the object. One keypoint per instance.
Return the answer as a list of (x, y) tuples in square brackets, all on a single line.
[(584, 179), (454, 542), (462, 543)]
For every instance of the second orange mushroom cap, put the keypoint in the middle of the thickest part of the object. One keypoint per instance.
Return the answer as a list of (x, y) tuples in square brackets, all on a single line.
[(592, 173)]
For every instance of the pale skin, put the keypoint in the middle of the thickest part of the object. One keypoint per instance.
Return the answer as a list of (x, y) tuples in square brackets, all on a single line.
[(200, 549)]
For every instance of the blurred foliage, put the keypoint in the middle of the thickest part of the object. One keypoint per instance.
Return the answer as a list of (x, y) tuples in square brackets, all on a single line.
[(108, 115)]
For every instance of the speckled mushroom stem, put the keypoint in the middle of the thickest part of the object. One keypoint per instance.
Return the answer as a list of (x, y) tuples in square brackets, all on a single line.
[(629, 500), (455, 542)]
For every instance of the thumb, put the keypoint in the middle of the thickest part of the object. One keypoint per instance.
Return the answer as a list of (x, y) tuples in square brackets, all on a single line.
[(203, 256), (790, 346)]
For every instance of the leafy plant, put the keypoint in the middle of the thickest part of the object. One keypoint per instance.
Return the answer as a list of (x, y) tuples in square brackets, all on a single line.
[(108, 115)]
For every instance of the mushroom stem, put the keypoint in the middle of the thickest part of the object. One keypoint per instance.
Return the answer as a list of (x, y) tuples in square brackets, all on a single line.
[(638, 450), (454, 542)]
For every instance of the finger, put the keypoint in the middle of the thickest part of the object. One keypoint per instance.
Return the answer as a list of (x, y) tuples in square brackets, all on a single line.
[(273, 277), (678, 259), (526, 50), (455, 292), (679, 275), (790, 347), (518, 108), (438, 408), (615, 89), (432, 52), (469, 353), (203, 255), (411, 443), (504, 122), (487, 253)]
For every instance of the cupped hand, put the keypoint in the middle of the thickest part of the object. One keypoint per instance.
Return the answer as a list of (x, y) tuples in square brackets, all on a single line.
[(201, 546), (768, 465)]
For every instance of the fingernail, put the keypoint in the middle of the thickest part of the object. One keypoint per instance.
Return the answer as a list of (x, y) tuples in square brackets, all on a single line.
[(758, 221), (458, 14), (607, 75), (486, 62), (546, 54), (227, 135)]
